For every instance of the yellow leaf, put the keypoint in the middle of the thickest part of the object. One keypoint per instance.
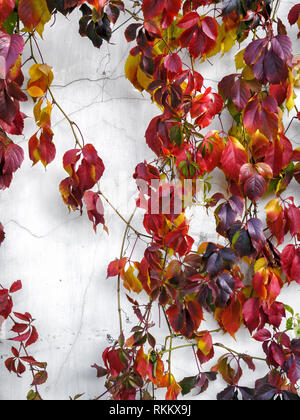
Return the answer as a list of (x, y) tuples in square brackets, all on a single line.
[(290, 103), (273, 209), (260, 264), (45, 116), (239, 60), (143, 79), (134, 73), (37, 110), (225, 41), (35, 91), (180, 219), (228, 41), (247, 292), (248, 73), (131, 282), (41, 77)]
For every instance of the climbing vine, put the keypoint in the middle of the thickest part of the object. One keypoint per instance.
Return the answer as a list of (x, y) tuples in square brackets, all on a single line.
[(237, 280)]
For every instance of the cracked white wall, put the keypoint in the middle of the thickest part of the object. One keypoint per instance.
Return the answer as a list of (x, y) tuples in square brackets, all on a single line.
[(59, 259)]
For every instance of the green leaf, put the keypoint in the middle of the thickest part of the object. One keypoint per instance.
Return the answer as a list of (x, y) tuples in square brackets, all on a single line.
[(176, 135), (185, 171), (33, 396), (121, 340), (289, 309), (187, 384), (289, 323), (236, 237), (10, 23), (192, 171)]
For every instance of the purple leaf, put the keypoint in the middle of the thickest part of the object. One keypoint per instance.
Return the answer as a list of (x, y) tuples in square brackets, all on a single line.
[(255, 187), (275, 68), (11, 46), (256, 232), (240, 94), (254, 50), (281, 45)]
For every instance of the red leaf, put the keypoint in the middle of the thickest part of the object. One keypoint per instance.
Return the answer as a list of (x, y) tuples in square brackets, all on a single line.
[(70, 159), (6, 304), (277, 353), (6, 8), (91, 168), (196, 312), (33, 13), (252, 116), (21, 368), (278, 92), (173, 63), (113, 362), (232, 317), (290, 262), (10, 364), (47, 148), (251, 313), (262, 335), (2, 233), (24, 317), (293, 216), (95, 209), (294, 13), (116, 267), (233, 158), (210, 27), (176, 317), (16, 287), (21, 337), (40, 378), (14, 156), (189, 20), (152, 8), (15, 352), (33, 337), (275, 220), (19, 328)]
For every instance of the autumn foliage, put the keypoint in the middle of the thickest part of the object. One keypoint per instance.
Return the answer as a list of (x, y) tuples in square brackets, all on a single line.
[(239, 278)]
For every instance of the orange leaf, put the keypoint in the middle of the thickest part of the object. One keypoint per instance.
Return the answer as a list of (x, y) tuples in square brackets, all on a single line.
[(232, 317), (174, 390)]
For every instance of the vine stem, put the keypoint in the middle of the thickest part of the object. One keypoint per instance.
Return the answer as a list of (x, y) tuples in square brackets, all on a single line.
[(119, 276), (128, 223), (215, 345), (133, 16), (71, 123), (236, 352)]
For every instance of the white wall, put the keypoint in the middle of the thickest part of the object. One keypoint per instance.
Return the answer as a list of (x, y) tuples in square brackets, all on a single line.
[(59, 259)]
